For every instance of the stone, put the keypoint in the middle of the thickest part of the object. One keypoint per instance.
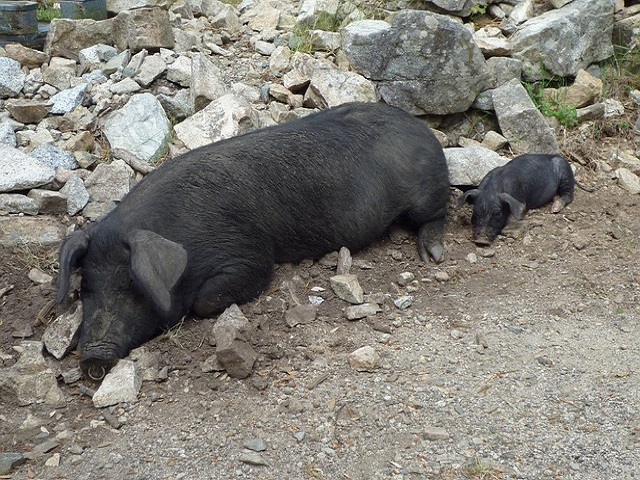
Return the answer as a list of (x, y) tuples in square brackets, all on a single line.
[(255, 444), (468, 166), (10, 461), (521, 122), (151, 69), (54, 157), (27, 111), (49, 202), (61, 335), (253, 458), (423, 62), (19, 171), (120, 385), (211, 364), (330, 87), (234, 352), (582, 29), (30, 380), (628, 180), (12, 78), (143, 28), (493, 141), (125, 86), (40, 230), (435, 434), (226, 117), (67, 100), (17, 203), (231, 317), (584, 90), (141, 127), (344, 261), (7, 135), (364, 359), (25, 56), (69, 36), (206, 82), (179, 71), (300, 315), (356, 312), (347, 288), (403, 302), (405, 278), (76, 194), (108, 184)]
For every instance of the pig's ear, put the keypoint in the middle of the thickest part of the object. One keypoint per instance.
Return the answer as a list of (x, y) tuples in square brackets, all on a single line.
[(156, 266), (72, 251), (516, 207), (468, 196)]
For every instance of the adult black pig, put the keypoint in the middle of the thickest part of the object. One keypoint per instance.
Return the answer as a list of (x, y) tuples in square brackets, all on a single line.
[(204, 230), (528, 181)]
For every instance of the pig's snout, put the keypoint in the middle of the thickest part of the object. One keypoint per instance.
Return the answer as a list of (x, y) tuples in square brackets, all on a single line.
[(96, 362)]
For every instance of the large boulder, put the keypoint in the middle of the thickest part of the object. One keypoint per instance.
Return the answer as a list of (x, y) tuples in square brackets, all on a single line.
[(423, 62), (561, 42)]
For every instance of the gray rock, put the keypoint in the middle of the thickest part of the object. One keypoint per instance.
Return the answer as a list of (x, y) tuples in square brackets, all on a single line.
[(117, 6), (561, 42), (521, 122), (330, 87), (403, 302), (49, 202), (31, 381), (253, 458), (54, 157), (179, 71), (206, 82), (300, 315), (121, 384), (255, 444), (143, 28), (435, 433), (62, 334), (76, 194), (178, 106), (66, 35), (12, 78), (66, 100), (422, 62), (125, 86), (347, 288), (45, 231), (17, 203), (9, 461), (109, 182), (628, 180), (38, 276), (231, 317), (26, 110), (344, 261), (225, 117), (141, 127), (117, 62), (211, 364), (152, 67), (468, 166), (134, 64), (60, 73), (364, 359), (91, 57), (356, 312), (234, 352), (503, 69), (19, 171), (7, 135)]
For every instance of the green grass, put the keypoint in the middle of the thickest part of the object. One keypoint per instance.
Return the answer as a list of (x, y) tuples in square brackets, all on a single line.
[(566, 114), (47, 11), (301, 40)]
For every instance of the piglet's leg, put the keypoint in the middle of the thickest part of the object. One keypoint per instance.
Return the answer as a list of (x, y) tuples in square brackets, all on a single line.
[(558, 204), (234, 284)]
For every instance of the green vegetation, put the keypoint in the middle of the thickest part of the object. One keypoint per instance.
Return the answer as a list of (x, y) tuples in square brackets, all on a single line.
[(621, 72), (233, 3), (553, 105), (301, 39), (47, 10), (483, 470)]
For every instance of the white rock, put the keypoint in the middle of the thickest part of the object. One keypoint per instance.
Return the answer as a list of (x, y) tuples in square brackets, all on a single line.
[(347, 287), (364, 359), (121, 384)]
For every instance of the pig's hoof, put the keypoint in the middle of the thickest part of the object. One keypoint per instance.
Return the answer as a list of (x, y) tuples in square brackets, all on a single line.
[(482, 242), (435, 252), (96, 372), (558, 205)]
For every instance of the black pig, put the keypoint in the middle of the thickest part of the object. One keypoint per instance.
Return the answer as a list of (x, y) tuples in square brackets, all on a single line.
[(204, 230), (528, 181)]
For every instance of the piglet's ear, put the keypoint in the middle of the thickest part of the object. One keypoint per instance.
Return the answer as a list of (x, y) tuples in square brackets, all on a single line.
[(468, 196), (156, 266), (516, 207)]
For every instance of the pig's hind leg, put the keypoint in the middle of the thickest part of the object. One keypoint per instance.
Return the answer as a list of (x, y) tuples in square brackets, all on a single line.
[(237, 283), (566, 185)]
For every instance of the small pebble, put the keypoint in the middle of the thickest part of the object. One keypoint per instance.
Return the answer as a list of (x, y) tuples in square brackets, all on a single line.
[(487, 253), (403, 302), (299, 436), (255, 444), (442, 276), (253, 458)]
